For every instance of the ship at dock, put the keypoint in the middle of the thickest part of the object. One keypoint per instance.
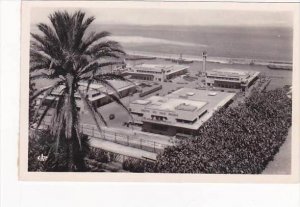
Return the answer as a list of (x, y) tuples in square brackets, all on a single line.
[(180, 60), (280, 66)]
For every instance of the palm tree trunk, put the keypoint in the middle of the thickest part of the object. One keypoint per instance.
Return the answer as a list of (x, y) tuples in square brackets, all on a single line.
[(70, 162), (70, 121)]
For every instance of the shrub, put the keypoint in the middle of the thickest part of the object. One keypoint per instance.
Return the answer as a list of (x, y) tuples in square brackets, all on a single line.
[(42, 145), (137, 165), (99, 155), (239, 140)]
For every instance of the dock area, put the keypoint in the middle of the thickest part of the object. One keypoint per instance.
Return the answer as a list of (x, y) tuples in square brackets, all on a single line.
[(222, 60)]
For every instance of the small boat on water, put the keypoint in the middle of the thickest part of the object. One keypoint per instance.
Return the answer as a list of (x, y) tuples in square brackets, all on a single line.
[(181, 60), (280, 66)]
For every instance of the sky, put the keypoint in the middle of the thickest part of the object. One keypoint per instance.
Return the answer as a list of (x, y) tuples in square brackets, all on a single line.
[(176, 16)]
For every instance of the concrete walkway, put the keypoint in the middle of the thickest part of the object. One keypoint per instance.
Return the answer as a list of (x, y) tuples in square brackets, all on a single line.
[(121, 149), (281, 165), (150, 137)]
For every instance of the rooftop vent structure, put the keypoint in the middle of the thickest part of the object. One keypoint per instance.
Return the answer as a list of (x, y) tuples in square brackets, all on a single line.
[(190, 93), (212, 93)]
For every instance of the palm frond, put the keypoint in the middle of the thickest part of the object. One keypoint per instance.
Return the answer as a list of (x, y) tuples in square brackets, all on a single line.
[(113, 76), (99, 115), (106, 54), (107, 84), (37, 67), (42, 57), (78, 138), (42, 76), (61, 24), (118, 101), (91, 39), (39, 39), (57, 118), (105, 46), (41, 118), (80, 28), (39, 56), (53, 43), (94, 65), (45, 89), (46, 45), (104, 78), (37, 110), (90, 109)]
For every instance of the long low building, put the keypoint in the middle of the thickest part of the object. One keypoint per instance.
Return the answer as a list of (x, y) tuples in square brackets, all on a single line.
[(181, 112), (97, 94), (231, 78), (155, 72)]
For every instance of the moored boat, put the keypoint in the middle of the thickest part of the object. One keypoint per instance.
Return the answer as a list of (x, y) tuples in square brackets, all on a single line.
[(280, 66)]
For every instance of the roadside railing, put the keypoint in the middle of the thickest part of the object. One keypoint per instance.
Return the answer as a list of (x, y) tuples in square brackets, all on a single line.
[(132, 140)]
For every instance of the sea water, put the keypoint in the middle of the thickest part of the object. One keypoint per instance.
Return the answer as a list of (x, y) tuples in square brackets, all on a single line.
[(259, 43), (268, 43)]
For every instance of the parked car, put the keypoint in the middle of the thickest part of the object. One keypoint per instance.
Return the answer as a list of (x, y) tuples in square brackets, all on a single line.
[(111, 116)]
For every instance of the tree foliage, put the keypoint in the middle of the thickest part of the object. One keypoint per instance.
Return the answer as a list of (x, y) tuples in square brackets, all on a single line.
[(43, 156), (65, 53), (239, 140)]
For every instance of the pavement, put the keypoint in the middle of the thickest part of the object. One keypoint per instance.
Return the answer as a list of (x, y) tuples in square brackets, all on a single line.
[(121, 149), (130, 138), (281, 165)]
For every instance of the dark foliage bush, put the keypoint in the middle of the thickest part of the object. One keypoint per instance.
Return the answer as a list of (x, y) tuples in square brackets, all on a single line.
[(136, 165), (98, 155), (42, 143), (239, 140)]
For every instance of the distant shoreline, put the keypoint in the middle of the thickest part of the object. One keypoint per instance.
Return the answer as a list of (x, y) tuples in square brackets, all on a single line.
[(222, 60)]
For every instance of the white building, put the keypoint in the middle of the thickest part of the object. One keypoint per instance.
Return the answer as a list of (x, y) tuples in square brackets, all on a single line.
[(231, 78), (97, 94), (182, 111), (156, 72)]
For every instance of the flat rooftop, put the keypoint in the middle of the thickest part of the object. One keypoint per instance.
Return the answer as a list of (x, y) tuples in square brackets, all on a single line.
[(187, 101), (117, 84), (168, 68), (231, 72), (170, 104), (96, 88)]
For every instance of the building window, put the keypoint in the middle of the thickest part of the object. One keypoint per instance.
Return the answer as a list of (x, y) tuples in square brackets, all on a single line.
[(159, 118), (96, 94), (159, 127), (136, 113), (186, 121)]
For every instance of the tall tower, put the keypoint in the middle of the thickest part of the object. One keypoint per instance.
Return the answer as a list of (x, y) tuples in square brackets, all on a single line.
[(204, 56), (163, 75)]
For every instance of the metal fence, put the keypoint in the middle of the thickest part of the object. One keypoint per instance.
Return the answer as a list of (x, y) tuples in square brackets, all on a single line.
[(119, 138)]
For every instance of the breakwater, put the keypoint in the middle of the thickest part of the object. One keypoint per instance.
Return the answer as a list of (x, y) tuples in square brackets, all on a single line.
[(221, 60)]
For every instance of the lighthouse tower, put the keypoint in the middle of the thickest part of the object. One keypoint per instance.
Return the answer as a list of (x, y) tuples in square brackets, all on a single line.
[(204, 56)]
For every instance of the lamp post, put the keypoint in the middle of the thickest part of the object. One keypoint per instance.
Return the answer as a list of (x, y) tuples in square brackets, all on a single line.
[(204, 56)]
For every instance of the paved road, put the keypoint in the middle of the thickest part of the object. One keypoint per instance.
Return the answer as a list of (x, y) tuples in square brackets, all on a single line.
[(134, 139), (281, 165), (121, 149), (130, 138)]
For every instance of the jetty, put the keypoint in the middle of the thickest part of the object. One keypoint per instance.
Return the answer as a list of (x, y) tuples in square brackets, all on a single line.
[(272, 64)]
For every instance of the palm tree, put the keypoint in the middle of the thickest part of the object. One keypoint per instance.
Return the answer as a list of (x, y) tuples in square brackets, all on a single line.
[(66, 54)]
